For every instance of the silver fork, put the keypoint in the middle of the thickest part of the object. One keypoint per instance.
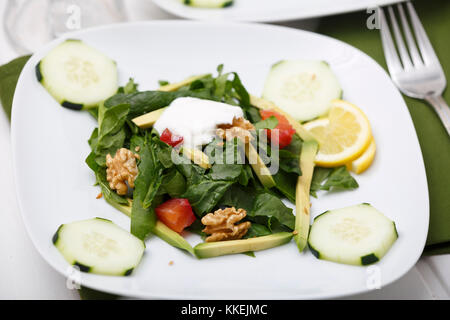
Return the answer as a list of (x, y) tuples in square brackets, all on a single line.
[(417, 72)]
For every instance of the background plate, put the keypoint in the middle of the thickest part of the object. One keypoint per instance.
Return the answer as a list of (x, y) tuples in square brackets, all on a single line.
[(55, 186), (270, 10)]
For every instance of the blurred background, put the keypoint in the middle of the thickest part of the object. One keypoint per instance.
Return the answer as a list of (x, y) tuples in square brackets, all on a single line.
[(28, 24)]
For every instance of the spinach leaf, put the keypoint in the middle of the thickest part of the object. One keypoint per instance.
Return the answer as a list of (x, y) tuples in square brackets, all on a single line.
[(262, 206), (257, 230), (289, 168), (246, 175), (269, 209), (220, 85), (108, 194), (205, 195), (150, 174), (143, 219), (269, 123), (173, 183), (332, 179), (204, 190), (193, 173), (286, 184), (252, 114), (229, 160), (319, 176), (146, 101), (130, 87), (295, 147), (221, 88), (289, 162), (207, 82), (111, 133), (340, 179), (290, 156), (163, 152), (147, 183), (238, 197), (90, 160), (250, 254), (229, 172), (241, 92), (197, 228), (220, 69), (136, 142), (218, 89), (93, 112)]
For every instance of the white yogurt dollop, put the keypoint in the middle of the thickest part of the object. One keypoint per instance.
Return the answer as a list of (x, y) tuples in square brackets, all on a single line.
[(196, 119)]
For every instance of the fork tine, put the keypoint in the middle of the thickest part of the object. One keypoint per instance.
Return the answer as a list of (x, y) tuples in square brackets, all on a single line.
[(390, 53), (406, 61), (417, 60), (426, 49)]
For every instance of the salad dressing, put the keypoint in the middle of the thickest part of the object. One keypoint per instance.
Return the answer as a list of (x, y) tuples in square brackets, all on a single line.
[(196, 120)]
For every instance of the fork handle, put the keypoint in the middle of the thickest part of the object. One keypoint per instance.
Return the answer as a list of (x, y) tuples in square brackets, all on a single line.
[(442, 109)]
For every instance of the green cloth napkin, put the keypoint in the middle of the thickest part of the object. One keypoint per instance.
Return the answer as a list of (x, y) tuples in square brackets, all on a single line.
[(9, 74), (433, 138)]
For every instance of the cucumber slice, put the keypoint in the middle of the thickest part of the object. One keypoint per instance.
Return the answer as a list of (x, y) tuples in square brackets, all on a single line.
[(77, 75), (303, 89), (99, 246), (208, 3), (357, 235)]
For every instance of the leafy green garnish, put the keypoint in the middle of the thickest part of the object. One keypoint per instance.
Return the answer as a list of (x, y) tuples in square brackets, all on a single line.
[(173, 183), (340, 179), (218, 89), (290, 155), (229, 172), (238, 197), (147, 183), (250, 254), (228, 158), (130, 87), (286, 184), (204, 195), (252, 114), (270, 210), (332, 179), (107, 193), (111, 133), (269, 123), (257, 230), (262, 206)]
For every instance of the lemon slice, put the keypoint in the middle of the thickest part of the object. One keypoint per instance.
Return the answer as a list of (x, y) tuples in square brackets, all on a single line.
[(343, 136), (361, 164)]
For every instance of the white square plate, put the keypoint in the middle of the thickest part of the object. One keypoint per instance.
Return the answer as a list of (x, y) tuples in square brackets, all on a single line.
[(55, 186)]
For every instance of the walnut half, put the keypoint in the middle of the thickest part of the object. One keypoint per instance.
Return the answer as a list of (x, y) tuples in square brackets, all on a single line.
[(240, 128), (121, 168), (221, 224)]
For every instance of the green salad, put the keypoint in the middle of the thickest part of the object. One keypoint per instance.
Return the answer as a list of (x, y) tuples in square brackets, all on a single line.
[(235, 187)]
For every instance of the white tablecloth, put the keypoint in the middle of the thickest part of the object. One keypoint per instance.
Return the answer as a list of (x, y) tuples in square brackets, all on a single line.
[(25, 275)]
